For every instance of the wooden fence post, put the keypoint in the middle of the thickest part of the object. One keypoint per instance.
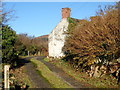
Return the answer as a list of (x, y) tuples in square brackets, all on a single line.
[(6, 76)]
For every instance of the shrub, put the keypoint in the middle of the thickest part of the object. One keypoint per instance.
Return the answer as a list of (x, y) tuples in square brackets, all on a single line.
[(96, 40), (8, 40)]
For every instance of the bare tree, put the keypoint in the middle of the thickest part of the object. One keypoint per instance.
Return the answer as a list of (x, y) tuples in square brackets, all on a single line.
[(6, 15)]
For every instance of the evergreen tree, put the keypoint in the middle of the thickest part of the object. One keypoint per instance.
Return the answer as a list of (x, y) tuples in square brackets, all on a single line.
[(8, 40)]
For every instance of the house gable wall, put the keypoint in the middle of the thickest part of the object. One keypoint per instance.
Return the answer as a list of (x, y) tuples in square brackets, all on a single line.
[(57, 39)]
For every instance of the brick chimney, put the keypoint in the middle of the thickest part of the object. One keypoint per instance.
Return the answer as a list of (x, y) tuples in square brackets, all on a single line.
[(65, 12)]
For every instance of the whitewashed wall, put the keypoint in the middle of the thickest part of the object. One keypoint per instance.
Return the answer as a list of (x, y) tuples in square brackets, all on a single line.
[(57, 39)]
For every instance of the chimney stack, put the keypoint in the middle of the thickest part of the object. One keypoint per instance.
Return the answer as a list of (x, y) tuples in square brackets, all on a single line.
[(65, 12)]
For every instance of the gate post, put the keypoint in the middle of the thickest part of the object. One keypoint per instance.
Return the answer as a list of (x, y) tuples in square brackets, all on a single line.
[(6, 77)]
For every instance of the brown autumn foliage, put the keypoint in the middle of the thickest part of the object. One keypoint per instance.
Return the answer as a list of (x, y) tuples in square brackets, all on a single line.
[(33, 46), (97, 38), (41, 43), (23, 38)]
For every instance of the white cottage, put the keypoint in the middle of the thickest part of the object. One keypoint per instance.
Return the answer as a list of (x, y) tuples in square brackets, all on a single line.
[(57, 36)]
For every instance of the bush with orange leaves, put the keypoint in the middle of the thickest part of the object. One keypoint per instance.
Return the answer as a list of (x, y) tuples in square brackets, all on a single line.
[(95, 41)]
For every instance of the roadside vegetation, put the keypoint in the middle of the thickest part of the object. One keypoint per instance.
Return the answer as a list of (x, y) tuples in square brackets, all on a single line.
[(91, 82), (19, 79), (8, 40), (13, 45), (29, 45), (92, 50), (93, 46), (10, 55), (44, 71)]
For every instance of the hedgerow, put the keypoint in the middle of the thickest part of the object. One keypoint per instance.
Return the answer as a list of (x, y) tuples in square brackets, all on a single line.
[(95, 41)]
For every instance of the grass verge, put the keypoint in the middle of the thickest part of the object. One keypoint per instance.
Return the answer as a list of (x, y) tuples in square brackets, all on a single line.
[(27, 80), (103, 82), (49, 75), (39, 72)]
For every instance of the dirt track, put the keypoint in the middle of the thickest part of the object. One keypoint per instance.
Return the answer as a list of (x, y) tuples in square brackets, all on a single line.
[(37, 80), (60, 73), (40, 82)]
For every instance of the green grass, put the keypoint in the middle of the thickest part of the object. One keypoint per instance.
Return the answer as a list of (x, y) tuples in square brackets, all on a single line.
[(39, 72), (46, 59), (55, 81), (103, 82), (23, 56), (27, 80)]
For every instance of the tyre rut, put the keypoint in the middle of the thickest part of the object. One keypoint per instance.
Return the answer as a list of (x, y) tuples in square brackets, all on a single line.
[(37, 80), (67, 78)]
